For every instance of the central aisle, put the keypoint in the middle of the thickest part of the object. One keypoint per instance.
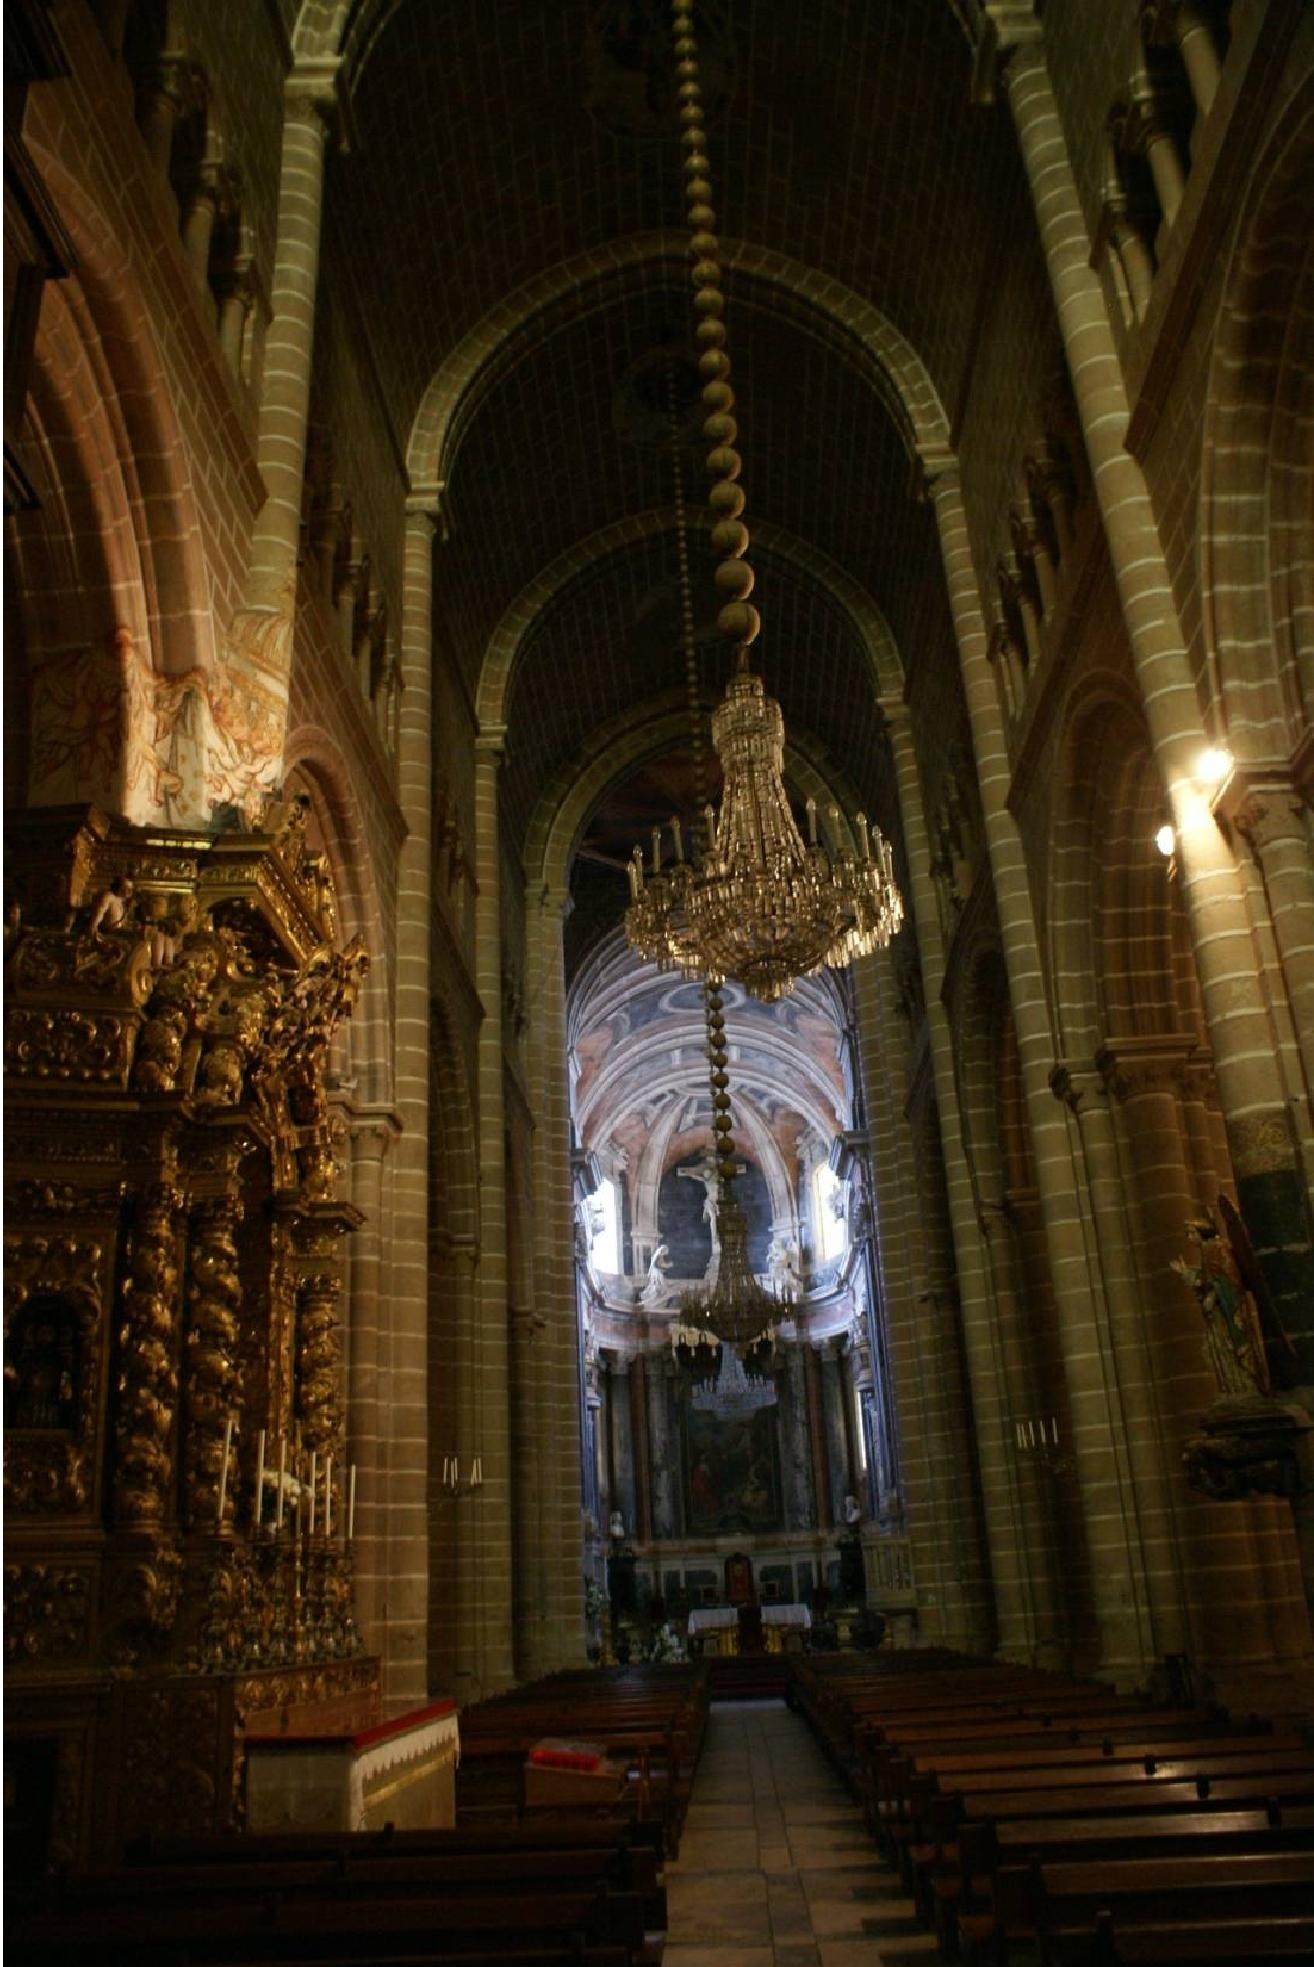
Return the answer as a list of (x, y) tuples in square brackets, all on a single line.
[(776, 1868)]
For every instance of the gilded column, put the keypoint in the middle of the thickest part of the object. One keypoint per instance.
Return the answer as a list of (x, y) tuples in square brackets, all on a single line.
[(1271, 1188), (212, 1383), (149, 1342)]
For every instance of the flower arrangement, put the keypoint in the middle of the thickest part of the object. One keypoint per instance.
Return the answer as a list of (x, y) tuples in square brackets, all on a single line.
[(664, 1647), (595, 1599)]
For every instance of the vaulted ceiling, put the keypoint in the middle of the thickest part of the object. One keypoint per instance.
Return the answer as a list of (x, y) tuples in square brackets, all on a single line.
[(514, 201)]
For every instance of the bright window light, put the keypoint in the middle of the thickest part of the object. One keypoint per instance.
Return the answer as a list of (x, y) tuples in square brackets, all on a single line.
[(604, 1252), (1213, 764), (828, 1214)]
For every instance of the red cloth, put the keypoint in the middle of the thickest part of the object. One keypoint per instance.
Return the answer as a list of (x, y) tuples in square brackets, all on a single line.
[(567, 1755)]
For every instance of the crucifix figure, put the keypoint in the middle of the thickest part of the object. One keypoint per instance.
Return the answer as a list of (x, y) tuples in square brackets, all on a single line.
[(704, 1171)]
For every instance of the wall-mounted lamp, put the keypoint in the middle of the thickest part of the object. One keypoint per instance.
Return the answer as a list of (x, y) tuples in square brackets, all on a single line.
[(455, 1485), (1166, 841), (1213, 764)]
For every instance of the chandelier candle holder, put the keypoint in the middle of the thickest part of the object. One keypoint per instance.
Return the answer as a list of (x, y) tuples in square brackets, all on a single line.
[(754, 901)]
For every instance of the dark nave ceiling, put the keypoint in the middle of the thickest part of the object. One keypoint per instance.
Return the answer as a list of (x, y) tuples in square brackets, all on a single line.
[(528, 150)]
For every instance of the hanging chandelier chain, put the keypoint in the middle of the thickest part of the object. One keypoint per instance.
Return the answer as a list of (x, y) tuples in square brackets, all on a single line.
[(738, 621), (753, 900)]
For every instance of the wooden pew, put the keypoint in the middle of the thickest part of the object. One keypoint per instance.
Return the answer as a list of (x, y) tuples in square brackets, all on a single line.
[(1054, 1906)]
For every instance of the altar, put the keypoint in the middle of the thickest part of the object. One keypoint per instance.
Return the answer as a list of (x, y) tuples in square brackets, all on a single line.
[(718, 1630)]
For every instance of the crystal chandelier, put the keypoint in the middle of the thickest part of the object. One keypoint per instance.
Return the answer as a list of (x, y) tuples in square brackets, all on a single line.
[(734, 1394), (752, 901)]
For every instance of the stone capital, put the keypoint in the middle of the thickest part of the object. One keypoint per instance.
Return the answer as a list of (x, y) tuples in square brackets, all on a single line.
[(940, 474), (490, 742), (315, 88), (1263, 805), (424, 506), (1133, 1066)]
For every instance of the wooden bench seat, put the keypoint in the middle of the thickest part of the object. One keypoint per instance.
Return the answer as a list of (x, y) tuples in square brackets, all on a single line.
[(1055, 1906), (222, 1927)]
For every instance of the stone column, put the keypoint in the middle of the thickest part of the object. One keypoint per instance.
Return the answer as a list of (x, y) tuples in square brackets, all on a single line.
[(198, 227), (368, 1420), (1010, 1553), (662, 1454), (1146, 1481), (1271, 1188), (639, 1437), (1226, 1617), (950, 1572), (623, 1488), (556, 1305), (260, 636), (838, 1470), (484, 1370), (1116, 1564), (800, 1505), (1273, 820), (817, 1439), (234, 313), (401, 1521)]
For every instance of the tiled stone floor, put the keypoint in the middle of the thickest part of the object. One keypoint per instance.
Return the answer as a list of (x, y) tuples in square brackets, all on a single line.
[(776, 1868)]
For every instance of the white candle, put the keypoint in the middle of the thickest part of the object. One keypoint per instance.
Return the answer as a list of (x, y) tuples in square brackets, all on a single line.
[(223, 1473), (311, 1530), (328, 1497), (351, 1504), (679, 839), (861, 824), (1031, 1432), (260, 1480), (1053, 1421), (1018, 1428), (477, 1473), (282, 1476)]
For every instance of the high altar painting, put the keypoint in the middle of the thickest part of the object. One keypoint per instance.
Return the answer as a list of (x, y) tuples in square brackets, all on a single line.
[(731, 1473)]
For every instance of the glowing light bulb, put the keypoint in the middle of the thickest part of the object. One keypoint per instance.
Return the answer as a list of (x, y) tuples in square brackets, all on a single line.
[(1213, 764), (1166, 841)]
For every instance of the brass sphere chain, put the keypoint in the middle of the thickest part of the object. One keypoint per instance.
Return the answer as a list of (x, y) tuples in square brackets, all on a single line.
[(738, 621)]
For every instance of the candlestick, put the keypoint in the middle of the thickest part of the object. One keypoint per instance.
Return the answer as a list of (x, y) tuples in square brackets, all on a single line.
[(223, 1473), (351, 1504), (282, 1475), (260, 1479), (311, 1530)]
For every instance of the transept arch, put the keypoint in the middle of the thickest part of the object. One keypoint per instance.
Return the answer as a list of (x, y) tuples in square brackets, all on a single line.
[(592, 281)]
